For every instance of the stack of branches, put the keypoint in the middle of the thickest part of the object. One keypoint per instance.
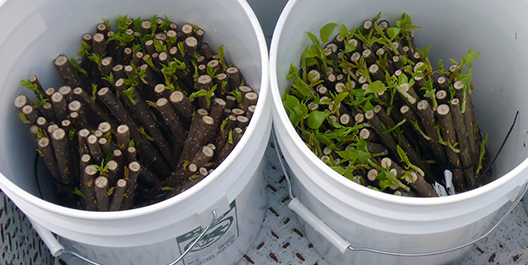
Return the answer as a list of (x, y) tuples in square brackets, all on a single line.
[(370, 105), (145, 113)]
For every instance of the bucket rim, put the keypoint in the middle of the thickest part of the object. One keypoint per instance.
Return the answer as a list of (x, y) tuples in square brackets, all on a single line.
[(259, 114), (280, 119)]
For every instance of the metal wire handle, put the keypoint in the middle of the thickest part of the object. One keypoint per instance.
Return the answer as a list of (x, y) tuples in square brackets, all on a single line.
[(338, 241), (77, 255)]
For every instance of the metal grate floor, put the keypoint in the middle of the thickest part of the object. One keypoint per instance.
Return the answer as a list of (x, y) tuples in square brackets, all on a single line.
[(281, 239)]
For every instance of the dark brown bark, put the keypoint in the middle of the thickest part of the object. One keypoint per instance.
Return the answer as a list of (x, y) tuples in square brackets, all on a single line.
[(190, 45), (30, 113), (123, 136), (95, 149), (197, 137), (469, 117), (83, 141), (428, 121), (131, 154), (66, 71), (61, 150), (34, 80), (101, 193), (21, 101), (142, 113), (88, 101), (99, 43), (448, 133), (234, 77), (203, 157), (172, 120), (461, 133), (118, 195), (59, 105), (106, 66), (128, 201), (149, 153), (148, 177), (249, 99), (182, 104), (87, 187), (442, 97), (421, 186), (46, 151)]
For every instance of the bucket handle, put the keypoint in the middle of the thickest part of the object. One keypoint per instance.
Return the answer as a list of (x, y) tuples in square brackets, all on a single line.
[(57, 249), (342, 245)]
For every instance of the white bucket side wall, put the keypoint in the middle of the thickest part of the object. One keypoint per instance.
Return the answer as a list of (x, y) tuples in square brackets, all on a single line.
[(245, 47), (466, 213), (249, 205)]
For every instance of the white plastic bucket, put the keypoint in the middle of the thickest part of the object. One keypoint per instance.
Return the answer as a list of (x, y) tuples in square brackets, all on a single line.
[(366, 218), (35, 33)]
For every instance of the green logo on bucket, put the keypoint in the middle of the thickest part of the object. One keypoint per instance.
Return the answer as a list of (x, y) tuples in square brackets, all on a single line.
[(218, 230), (220, 236)]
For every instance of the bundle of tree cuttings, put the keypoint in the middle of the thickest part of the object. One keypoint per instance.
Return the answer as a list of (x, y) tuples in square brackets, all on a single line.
[(146, 112), (370, 105)]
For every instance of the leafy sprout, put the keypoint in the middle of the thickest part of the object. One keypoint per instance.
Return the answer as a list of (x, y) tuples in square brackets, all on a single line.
[(85, 48), (77, 67), (122, 23)]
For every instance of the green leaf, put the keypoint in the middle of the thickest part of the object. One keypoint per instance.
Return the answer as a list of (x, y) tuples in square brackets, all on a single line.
[(466, 78), (199, 93), (221, 56), (31, 86), (154, 24), (359, 155), (441, 68), (453, 61), (122, 23), (107, 23), (77, 67), (237, 95), (326, 31), (290, 102), (302, 87), (166, 22), (94, 90), (78, 192), (294, 72), (470, 57), (402, 79), (343, 31), (368, 106), (85, 48), (339, 169), (310, 52), (137, 24), (23, 118), (181, 48), (129, 92), (110, 78), (393, 32), (482, 154), (421, 68), (376, 87), (349, 47), (158, 45), (340, 97), (405, 159), (142, 131), (316, 119), (314, 39), (311, 61)]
